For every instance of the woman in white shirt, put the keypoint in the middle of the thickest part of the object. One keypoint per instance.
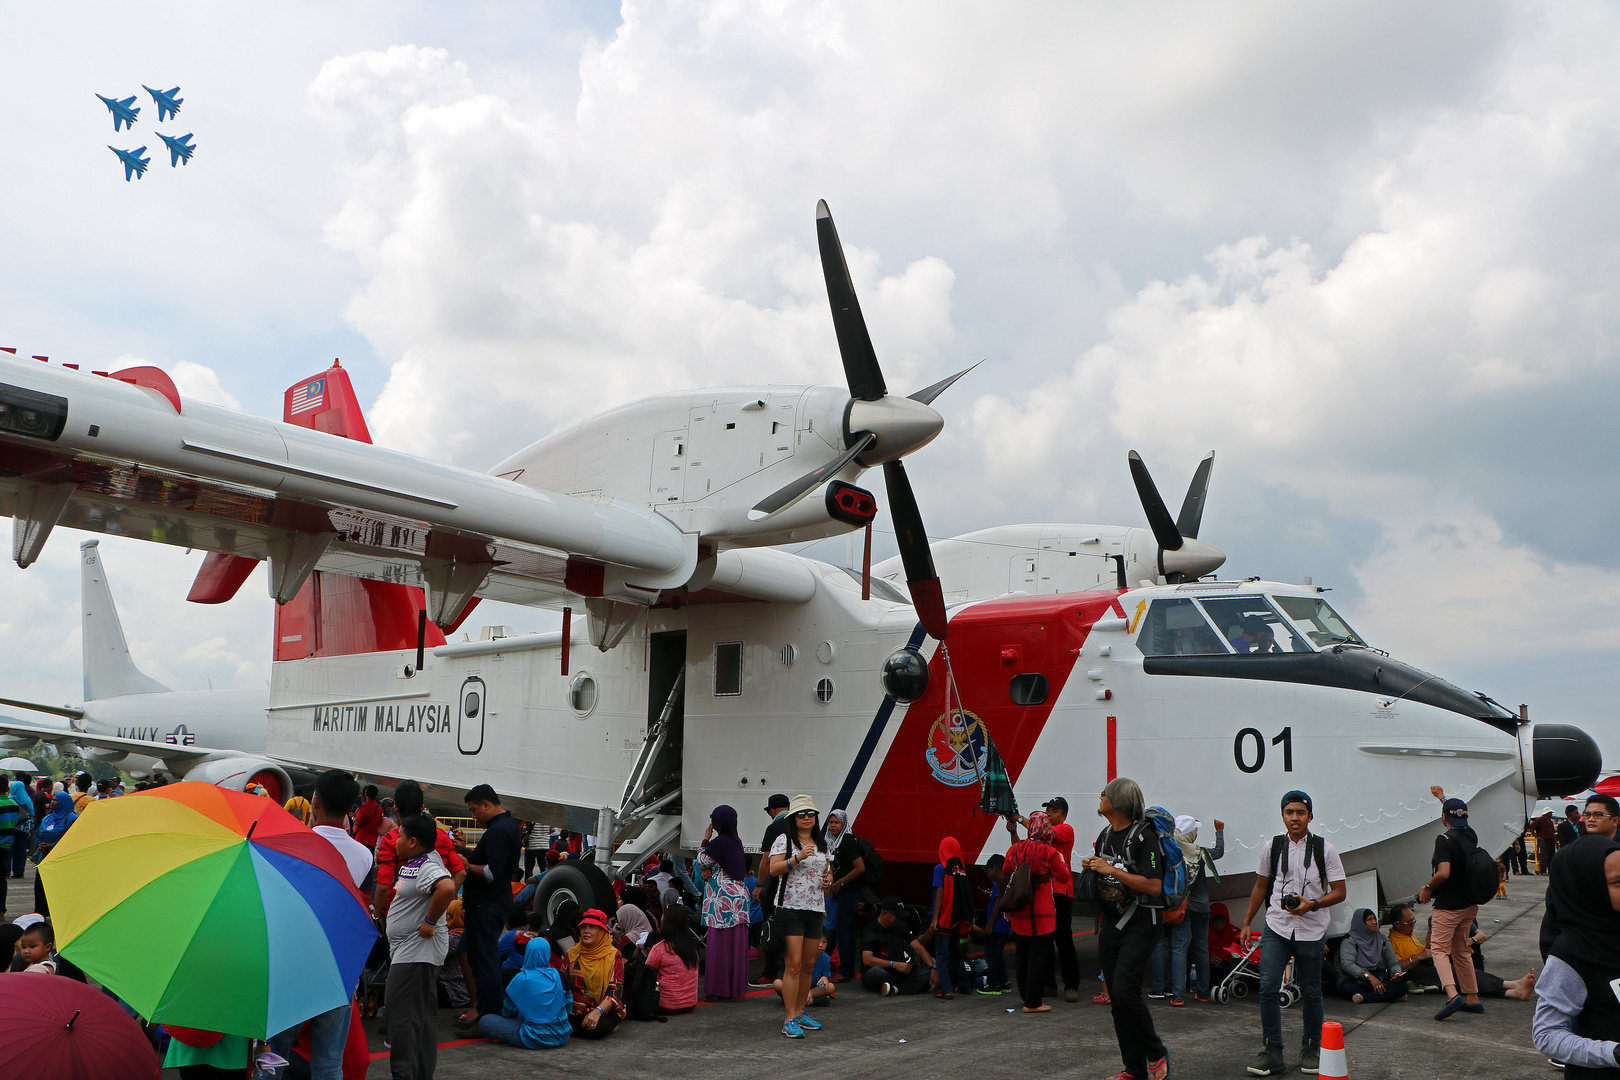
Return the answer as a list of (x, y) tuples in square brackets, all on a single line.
[(803, 874)]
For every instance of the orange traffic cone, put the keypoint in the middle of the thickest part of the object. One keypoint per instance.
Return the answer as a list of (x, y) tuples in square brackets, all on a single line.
[(1333, 1066)]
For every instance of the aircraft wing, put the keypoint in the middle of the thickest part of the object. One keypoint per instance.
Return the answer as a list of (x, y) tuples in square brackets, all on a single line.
[(126, 456), (34, 706), (178, 758)]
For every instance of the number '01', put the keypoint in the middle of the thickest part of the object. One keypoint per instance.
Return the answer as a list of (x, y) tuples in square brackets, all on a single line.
[(1285, 739)]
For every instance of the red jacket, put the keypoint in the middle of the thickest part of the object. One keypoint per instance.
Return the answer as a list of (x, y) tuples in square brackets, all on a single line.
[(388, 866), (366, 821), (1046, 868)]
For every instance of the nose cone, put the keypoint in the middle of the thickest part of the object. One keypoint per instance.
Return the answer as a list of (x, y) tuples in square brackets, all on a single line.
[(1194, 558), (900, 424), (1566, 760)]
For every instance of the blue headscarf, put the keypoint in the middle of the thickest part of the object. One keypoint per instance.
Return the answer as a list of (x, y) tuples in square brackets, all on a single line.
[(537, 990), (20, 796), (57, 821)]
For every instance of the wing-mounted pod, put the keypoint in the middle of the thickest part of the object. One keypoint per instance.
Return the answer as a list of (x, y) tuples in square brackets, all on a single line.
[(1556, 760)]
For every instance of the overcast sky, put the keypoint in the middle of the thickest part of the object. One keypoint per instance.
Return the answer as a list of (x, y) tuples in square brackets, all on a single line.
[(1367, 254)]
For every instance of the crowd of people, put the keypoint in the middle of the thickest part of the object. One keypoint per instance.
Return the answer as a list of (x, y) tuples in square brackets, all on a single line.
[(468, 926)]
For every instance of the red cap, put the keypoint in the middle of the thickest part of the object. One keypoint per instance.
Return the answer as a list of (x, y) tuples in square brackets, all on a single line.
[(593, 917)]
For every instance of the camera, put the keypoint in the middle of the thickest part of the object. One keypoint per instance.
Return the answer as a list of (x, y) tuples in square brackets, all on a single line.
[(1291, 901), (29, 412)]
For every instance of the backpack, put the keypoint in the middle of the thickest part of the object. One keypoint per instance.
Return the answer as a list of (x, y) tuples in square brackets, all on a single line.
[(1016, 896), (962, 909), (640, 991), (1176, 882), (875, 874), (1315, 851), (1479, 877)]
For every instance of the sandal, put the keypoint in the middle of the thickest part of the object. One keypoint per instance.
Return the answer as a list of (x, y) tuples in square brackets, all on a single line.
[(944, 995), (1101, 999)]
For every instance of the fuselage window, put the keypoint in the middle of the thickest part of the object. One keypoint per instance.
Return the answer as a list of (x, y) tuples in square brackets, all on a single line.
[(1028, 689), (1319, 621), (1251, 625), (582, 694), (1175, 627), (728, 657)]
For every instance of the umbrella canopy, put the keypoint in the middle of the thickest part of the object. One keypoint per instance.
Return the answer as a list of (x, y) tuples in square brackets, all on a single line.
[(209, 909), (18, 764), (995, 790), (61, 1029)]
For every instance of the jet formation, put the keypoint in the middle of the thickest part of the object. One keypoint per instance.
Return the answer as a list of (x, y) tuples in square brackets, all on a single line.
[(125, 113)]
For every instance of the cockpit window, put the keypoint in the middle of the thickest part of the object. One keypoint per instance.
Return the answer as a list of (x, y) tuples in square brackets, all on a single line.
[(1319, 621), (1175, 627), (1251, 625)]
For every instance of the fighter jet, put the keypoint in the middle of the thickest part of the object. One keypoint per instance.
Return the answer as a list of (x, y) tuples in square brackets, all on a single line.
[(134, 163), (180, 148), (121, 111), (168, 105)]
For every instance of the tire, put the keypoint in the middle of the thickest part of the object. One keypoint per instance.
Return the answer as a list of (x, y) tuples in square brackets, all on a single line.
[(1240, 989), (1220, 995), (1289, 997), (578, 881)]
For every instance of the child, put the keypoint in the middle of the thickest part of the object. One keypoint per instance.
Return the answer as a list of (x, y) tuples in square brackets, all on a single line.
[(418, 941), (995, 934), (953, 917), (756, 914), (36, 950), (821, 984), (506, 946)]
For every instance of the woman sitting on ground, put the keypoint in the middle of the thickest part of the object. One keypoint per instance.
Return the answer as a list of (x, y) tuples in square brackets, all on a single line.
[(534, 1012), (675, 960), (596, 979), (1369, 971)]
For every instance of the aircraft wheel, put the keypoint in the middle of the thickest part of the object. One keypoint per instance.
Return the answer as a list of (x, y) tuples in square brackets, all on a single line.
[(580, 882), (1240, 989)]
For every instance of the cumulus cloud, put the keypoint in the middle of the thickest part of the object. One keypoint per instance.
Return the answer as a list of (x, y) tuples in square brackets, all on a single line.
[(199, 381)]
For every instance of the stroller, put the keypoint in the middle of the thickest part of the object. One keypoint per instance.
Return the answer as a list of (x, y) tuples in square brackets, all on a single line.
[(373, 977), (1244, 978)]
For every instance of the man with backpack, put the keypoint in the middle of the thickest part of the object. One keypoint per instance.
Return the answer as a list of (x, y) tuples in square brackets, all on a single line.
[(1128, 874), (770, 946), (1300, 876), (1464, 877)]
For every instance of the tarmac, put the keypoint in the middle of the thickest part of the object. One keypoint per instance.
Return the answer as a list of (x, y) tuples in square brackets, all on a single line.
[(920, 1038)]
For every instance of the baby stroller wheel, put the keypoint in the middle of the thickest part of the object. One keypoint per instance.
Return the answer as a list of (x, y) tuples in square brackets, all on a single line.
[(1220, 995), (1290, 995), (1240, 989)]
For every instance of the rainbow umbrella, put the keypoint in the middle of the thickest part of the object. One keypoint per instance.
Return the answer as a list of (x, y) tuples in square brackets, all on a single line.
[(209, 909)]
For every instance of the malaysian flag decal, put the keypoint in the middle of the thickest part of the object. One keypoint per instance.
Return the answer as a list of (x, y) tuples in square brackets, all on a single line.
[(305, 398)]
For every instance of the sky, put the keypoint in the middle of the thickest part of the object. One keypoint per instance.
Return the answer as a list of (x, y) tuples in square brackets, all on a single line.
[(1368, 254)]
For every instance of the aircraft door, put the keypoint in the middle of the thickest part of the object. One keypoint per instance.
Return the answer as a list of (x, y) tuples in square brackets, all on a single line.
[(470, 716)]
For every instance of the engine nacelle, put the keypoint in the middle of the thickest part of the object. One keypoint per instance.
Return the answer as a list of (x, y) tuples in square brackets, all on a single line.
[(17, 742), (1558, 759), (235, 772)]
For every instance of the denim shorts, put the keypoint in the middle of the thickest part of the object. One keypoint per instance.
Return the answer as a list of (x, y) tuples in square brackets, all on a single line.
[(795, 923)]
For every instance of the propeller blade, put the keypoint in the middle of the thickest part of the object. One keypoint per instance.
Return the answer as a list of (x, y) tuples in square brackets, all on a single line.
[(928, 393), (1192, 510), (921, 578), (785, 497), (861, 369), (1164, 530)]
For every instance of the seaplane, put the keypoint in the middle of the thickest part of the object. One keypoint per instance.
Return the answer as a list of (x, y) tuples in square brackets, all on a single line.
[(698, 664)]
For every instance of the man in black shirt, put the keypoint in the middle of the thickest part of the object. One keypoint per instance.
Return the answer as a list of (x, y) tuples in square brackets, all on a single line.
[(765, 891), (1131, 888), (487, 894), (895, 961)]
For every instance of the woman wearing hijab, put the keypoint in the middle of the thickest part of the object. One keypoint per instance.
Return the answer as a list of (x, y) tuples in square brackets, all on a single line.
[(953, 916), (632, 923), (849, 883), (725, 906), (55, 824), (1369, 972), (1577, 1019), (534, 1013), (1034, 924), (25, 827), (596, 979)]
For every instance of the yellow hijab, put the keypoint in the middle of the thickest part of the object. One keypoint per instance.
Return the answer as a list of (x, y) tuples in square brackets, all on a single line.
[(596, 964), (299, 807), (453, 919)]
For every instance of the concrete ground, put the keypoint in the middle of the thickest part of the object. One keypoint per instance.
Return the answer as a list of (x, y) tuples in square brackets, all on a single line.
[(919, 1037), (970, 1037)]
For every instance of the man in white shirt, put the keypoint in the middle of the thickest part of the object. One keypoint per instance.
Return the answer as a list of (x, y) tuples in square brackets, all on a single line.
[(335, 792), (1309, 879)]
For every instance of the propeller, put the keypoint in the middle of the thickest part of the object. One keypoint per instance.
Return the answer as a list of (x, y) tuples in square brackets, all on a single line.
[(1181, 554), (879, 429)]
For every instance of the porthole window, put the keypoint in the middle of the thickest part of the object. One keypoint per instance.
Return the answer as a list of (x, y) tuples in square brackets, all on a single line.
[(470, 705), (825, 690), (728, 657), (790, 655), (582, 693), (826, 651), (1028, 689)]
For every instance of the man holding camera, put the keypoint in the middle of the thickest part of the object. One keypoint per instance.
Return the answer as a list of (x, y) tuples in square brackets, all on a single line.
[(1300, 876)]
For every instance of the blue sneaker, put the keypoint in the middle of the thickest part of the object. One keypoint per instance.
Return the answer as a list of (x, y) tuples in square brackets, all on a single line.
[(805, 1021), (792, 1030)]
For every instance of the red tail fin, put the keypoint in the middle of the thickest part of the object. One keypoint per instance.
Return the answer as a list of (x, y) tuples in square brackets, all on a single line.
[(333, 615)]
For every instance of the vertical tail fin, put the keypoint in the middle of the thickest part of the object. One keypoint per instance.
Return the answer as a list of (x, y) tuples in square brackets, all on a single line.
[(109, 671)]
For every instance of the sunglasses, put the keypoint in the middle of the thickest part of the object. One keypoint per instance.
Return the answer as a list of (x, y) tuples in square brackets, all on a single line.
[(805, 813)]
